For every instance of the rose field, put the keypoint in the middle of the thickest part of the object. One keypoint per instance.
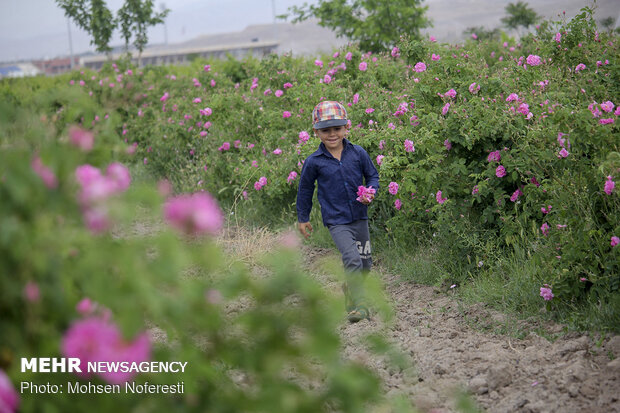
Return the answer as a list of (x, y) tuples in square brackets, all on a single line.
[(130, 200)]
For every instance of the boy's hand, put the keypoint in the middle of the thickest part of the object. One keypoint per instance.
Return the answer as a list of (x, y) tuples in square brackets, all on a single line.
[(369, 199), (305, 228)]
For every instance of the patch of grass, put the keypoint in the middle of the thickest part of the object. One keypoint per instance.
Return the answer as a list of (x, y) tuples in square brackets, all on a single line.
[(418, 265)]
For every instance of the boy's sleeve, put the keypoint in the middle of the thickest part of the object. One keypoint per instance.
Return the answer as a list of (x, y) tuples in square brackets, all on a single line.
[(368, 168), (305, 191)]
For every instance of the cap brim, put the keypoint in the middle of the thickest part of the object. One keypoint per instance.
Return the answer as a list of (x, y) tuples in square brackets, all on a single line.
[(329, 123)]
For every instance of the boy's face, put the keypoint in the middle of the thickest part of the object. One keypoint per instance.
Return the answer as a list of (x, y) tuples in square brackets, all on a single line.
[(332, 137)]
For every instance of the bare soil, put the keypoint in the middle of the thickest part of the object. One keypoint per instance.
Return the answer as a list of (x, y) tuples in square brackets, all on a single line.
[(450, 354), (450, 347)]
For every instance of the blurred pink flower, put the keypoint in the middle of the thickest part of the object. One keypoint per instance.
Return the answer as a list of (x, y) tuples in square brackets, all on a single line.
[(94, 339), (435, 57), (81, 138), (580, 67), (197, 100), (393, 188), (196, 213), (363, 66), (32, 294), (277, 151), (450, 93), (207, 68), (287, 85), (474, 88), (544, 228), (474, 36), (614, 241), (45, 173), (558, 37), (606, 121), (515, 195), (85, 306), (348, 56), (318, 63), (9, 398), (563, 153), (512, 97), (164, 97), (475, 190), (119, 174), (225, 146), (395, 52), (380, 159), (327, 79), (369, 110), (609, 186), (286, 114), (398, 204), (356, 98), (279, 93)]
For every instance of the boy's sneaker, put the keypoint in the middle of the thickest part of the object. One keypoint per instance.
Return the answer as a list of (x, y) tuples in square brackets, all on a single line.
[(358, 314)]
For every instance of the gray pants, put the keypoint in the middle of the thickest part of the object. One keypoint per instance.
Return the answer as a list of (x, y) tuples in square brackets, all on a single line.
[(353, 242)]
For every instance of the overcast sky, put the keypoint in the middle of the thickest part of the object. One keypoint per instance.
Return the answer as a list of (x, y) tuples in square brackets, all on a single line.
[(38, 28), (33, 29)]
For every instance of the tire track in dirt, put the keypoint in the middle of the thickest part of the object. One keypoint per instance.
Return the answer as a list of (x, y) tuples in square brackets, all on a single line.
[(504, 374)]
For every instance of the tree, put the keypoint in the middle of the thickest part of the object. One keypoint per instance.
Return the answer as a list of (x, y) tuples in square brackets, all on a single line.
[(94, 17), (135, 17), (519, 14), (375, 24), (484, 34)]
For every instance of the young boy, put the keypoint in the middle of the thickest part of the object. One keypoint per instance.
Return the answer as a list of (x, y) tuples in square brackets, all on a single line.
[(339, 167)]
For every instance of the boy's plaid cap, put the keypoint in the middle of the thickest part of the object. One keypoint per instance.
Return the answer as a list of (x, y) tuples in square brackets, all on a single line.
[(327, 114)]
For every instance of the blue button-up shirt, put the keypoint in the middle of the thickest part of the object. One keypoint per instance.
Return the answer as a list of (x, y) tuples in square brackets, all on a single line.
[(337, 184)]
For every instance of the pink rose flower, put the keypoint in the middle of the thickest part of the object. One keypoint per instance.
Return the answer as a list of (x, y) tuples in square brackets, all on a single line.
[(197, 213), (380, 159), (500, 171), (533, 60), (609, 186), (286, 114), (614, 241), (393, 188), (546, 293), (363, 66), (398, 204), (420, 67), (439, 199), (365, 194), (409, 146)]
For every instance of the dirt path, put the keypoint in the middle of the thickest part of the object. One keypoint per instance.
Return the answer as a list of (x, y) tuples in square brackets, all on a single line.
[(572, 374)]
